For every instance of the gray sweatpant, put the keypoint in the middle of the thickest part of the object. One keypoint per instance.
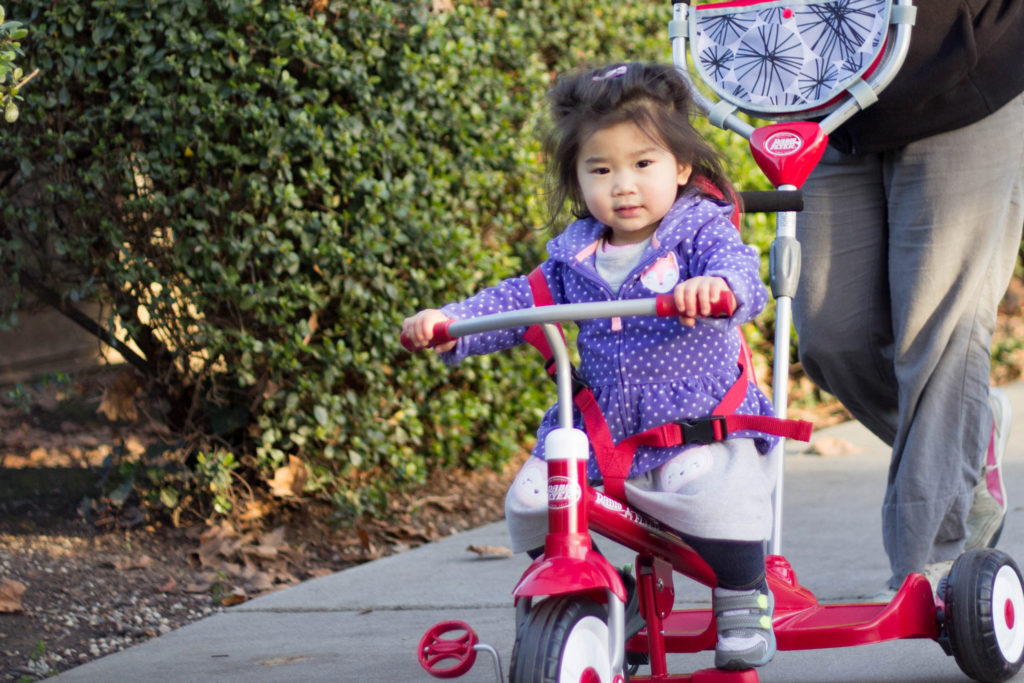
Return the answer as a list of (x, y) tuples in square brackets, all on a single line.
[(906, 256)]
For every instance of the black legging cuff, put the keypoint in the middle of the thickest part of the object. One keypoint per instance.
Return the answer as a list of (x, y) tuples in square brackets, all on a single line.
[(738, 565)]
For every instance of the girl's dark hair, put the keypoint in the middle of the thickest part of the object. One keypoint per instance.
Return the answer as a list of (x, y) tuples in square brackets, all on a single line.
[(654, 97)]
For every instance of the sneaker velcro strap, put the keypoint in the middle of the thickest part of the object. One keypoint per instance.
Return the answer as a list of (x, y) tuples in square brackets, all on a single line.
[(739, 621), (729, 603), (751, 611)]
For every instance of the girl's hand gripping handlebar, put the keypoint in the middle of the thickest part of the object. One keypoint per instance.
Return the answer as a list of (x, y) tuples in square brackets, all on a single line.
[(439, 337), (446, 330), (722, 307), (427, 329)]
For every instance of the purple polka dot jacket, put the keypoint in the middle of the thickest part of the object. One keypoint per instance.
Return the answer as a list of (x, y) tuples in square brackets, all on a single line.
[(644, 371)]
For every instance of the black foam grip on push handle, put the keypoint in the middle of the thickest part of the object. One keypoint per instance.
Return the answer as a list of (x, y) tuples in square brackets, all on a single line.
[(722, 308), (772, 201), (441, 336)]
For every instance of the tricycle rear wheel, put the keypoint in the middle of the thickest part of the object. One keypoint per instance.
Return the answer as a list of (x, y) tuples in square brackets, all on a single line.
[(563, 640), (984, 615)]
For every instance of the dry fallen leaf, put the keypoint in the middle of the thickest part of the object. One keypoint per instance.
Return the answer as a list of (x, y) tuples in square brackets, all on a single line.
[(259, 583), (169, 585), (446, 502), (317, 572), (274, 538), (10, 596), (289, 480), (369, 550), (264, 552), (490, 552), (118, 402), (140, 562), (236, 597), (314, 325), (278, 661), (254, 509), (218, 542)]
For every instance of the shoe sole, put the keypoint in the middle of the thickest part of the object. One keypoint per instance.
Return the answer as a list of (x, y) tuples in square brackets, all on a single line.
[(737, 661)]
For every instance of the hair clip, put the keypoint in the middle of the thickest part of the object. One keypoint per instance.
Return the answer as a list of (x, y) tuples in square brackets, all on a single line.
[(613, 72)]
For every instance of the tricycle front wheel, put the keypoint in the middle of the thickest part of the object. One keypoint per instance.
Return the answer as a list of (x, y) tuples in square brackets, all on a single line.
[(563, 640)]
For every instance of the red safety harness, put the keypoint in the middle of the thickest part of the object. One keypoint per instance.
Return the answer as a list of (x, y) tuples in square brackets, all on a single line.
[(615, 459)]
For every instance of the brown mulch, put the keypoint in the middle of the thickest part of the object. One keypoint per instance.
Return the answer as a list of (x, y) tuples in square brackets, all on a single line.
[(74, 586)]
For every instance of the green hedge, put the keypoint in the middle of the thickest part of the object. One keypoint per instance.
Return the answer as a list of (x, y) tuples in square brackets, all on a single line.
[(263, 190)]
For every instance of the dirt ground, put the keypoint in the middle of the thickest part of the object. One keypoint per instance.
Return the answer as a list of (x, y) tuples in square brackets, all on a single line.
[(74, 587)]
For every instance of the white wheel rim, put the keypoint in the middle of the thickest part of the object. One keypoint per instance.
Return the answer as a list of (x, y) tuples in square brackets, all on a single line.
[(1008, 613), (586, 648)]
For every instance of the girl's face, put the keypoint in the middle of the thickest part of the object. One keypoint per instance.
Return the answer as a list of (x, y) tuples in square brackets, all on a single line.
[(628, 180)]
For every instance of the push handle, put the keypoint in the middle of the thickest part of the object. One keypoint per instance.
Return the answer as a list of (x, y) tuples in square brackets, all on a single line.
[(435, 650), (723, 307)]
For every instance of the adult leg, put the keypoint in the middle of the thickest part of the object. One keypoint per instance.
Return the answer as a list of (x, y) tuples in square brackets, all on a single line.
[(955, 214), (841, 310), (949, 250)]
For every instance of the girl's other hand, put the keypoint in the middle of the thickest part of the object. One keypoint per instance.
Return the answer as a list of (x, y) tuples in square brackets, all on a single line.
[(419, 329), (695, 296)]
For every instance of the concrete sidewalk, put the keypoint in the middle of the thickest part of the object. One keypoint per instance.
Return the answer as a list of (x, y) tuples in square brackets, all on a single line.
[(364, 623)]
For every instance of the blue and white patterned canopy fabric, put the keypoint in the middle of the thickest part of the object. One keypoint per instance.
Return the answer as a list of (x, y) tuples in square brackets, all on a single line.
[(774, 58)]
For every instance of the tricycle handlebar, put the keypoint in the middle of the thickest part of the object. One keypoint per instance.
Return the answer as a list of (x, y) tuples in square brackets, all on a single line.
[(663, 305)]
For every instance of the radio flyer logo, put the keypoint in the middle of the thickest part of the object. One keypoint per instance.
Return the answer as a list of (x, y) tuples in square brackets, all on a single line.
[(562, 493), (783, 143), (628, 514)]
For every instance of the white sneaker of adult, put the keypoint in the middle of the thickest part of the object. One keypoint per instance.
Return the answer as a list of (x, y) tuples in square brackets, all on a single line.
[(988, 510)]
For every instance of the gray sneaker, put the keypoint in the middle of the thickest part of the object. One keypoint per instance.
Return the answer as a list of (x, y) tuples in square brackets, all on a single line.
[(985, 520), (744, 622)]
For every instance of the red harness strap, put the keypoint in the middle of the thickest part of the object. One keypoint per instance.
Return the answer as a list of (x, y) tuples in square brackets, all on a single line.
[(615, 459)]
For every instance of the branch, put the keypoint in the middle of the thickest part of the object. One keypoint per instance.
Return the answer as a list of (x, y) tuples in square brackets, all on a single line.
[(51, 298), (18, 86)]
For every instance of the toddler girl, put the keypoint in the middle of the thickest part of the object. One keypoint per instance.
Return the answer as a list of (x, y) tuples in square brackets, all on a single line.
[(625, 156)]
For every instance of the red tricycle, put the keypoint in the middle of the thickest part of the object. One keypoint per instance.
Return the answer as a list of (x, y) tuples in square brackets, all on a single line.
[(570, 604)]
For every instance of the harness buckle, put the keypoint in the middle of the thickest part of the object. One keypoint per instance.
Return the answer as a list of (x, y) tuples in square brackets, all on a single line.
[(703, 430), (578, 383)]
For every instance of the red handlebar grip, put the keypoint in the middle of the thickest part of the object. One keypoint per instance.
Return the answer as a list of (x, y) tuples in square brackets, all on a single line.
[(441, 336), (665, 305)]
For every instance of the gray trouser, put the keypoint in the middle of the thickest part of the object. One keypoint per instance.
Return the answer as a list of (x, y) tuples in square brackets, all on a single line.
[(906, 256)]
